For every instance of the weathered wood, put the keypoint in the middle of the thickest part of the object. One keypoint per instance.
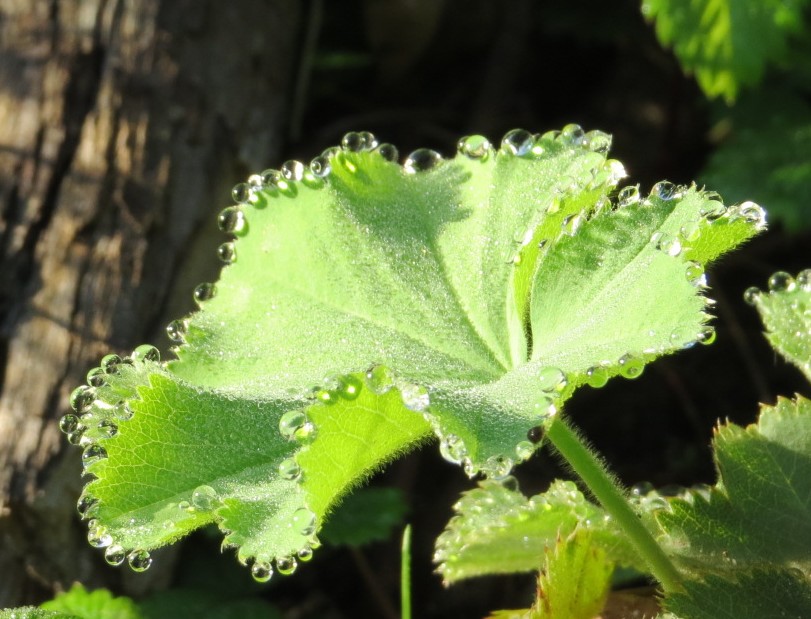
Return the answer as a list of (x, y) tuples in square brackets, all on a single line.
[(122, 127)]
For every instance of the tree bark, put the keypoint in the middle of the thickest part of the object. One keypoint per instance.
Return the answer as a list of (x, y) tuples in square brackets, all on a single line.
[(123, 125)]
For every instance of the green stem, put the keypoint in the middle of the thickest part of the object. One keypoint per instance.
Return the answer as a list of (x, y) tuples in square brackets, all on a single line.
[(405, 575), (607, 490)]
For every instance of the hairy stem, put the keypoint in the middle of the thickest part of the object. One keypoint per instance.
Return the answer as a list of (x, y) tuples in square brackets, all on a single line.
[(606, 489), (405, 575)]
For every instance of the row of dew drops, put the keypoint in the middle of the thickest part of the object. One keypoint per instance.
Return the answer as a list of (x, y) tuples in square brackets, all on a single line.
[(781, 282), (97, 410), (259, 188)]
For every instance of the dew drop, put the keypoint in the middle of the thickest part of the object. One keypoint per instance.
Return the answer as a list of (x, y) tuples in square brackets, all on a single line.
[(474, 147), (270, 179), (286, 565), (782, 282), (389, 152), (415, 397), (628, 196), (98, 536), (707, 336), (517, 142), (572, 135), (93, 453), (497, 467), (227, 253), (552, 380), (204, 498), (176, 330), (77, 437), (369, 139), (598, 142), (665, 190), (68, 423), (231, 220), (146, 352), (205, 292), (695, 274), (356, 142), (545, 408), (597, 376), (320, 167), (292, 170), (616, 171), (630, 366), (82, 398), (304, 521), (422, 160), (289, 469), (349, 387), (294, 425), (524, 449), (107, 428), (110, 363), (115, 555), (96, 377), (122, 411), (751, 295), (185, 506), (804, 280), (753, 214), (712, 210), (241, 193), (261, 571), (690, 231), (667, 244), (87, 506), (452, 449), (305, 554), (535, 434), (139, 560)]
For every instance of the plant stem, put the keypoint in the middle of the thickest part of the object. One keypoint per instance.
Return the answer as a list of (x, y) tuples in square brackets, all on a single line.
[(607, 490), (405, 575)]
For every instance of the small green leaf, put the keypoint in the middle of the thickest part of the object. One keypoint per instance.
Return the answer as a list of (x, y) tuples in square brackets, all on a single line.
[(726, 43), (760, 510), (575, 579), (98, 604), (755, 594), (497, 530), (786, 311), (365, 516)]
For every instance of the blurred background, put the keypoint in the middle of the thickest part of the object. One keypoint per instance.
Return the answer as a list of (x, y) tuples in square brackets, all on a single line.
[(125, 123)]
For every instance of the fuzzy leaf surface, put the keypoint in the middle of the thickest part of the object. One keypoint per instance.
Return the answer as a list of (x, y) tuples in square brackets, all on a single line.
[(759, 513), (786, 312), (31, 612), (482, 291), (497, 530), (726, 43)]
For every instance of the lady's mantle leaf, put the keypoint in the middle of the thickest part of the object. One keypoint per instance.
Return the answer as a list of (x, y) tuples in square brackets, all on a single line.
[(759, 513), (756, 594), (30, 612), (497, 530), (786, 311), (367, 304)]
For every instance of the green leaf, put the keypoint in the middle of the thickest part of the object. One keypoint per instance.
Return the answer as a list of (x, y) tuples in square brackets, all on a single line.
[(575, 580), (368, 515), (786, 311), (756, 594), (29, 612), (759, 513), (497, 530), (200, 604), (98, 604), (726, 43), (770, 133), (367, 310)]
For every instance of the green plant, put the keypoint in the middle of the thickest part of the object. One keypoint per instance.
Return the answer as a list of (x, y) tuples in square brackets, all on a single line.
[(367, 307)]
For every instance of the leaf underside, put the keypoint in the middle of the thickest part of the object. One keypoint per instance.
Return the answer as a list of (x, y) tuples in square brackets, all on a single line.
[(369, 309)]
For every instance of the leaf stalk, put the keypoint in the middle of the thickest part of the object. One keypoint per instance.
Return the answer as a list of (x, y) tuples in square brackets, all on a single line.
[(605, 487)]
